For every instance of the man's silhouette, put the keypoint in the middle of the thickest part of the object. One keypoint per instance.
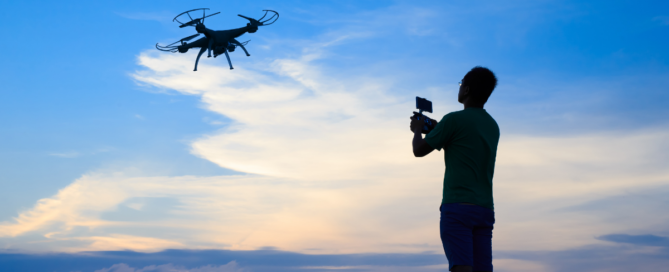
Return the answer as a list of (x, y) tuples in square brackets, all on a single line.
[(469, 138)]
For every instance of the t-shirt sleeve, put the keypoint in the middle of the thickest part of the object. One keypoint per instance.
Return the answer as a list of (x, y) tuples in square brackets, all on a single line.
[(442, 133)]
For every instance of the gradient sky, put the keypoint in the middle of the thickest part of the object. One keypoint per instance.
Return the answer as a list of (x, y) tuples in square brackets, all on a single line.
[(122, 157)]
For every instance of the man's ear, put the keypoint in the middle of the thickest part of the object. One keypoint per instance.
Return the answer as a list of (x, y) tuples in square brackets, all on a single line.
[(465, 91)]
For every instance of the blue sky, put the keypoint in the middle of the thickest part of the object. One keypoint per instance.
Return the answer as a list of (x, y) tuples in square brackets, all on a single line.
[(109, 145)]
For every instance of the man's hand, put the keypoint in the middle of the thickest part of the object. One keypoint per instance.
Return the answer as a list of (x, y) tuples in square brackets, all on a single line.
[(416, 124), (420, 146)]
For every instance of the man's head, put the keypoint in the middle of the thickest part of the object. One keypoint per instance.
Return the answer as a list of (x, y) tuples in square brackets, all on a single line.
[(476, 86)]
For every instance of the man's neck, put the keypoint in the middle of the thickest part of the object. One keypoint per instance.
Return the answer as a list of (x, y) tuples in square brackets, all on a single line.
[(467, 106)]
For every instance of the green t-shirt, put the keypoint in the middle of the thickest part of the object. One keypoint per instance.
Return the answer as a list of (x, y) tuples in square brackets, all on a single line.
[(469, 138)]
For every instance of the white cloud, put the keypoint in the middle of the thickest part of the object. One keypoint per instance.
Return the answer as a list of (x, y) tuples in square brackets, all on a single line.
[(539, 178)]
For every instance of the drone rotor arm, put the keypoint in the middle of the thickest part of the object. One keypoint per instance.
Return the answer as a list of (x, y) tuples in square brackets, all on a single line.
[(247, 18), (189, 37), (191, 23), (211, 15)]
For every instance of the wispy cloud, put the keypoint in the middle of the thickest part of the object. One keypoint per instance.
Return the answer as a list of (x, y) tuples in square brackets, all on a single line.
[(645, 240), (664, 20), (617, 258), (77, 154), (163, 16), (68, 155)]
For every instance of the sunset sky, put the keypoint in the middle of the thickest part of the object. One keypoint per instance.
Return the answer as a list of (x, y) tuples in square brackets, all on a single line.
[(116, 157)]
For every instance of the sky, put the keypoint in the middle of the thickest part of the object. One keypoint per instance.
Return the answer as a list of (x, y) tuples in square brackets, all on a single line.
[(116, 157)]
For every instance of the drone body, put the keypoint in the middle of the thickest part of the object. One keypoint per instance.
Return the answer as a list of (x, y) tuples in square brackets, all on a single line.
[(219, 41)]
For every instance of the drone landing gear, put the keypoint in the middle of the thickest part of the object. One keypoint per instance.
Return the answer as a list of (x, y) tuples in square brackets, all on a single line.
[(198, 57), (247, 52), (211, 44), (242, 46), (228, 57)]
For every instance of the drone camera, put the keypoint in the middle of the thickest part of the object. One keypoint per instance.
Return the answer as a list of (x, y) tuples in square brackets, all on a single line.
[(422, 105)]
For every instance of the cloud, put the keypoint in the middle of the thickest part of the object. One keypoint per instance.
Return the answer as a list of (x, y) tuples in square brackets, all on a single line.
[(89, 215), (67, 155), (644, 240), (221, 260), (230, 267), (551, 183), (77, 154), (616, 258)]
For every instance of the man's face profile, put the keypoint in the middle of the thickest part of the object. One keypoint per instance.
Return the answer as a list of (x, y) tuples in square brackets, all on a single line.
[(463, 91)]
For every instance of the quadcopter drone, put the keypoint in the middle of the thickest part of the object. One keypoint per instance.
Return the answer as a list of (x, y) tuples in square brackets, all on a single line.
[(219, 41)]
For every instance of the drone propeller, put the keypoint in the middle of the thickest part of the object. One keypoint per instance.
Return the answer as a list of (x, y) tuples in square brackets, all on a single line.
[(192, 21), (260, 22), (173, 48)]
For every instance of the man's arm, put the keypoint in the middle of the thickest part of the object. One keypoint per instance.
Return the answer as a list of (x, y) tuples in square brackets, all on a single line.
[(420, 146)]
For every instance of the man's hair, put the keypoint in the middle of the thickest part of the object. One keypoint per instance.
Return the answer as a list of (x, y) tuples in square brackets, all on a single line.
[(481, 82)]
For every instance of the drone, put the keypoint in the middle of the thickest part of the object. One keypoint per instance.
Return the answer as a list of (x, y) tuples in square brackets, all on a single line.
[(218, 41)]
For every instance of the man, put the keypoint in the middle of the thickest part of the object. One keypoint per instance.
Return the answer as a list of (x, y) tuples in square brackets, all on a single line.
[(469, 138)]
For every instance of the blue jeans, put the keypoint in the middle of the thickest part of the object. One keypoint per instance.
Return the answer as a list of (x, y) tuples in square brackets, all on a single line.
[(466, 233)]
